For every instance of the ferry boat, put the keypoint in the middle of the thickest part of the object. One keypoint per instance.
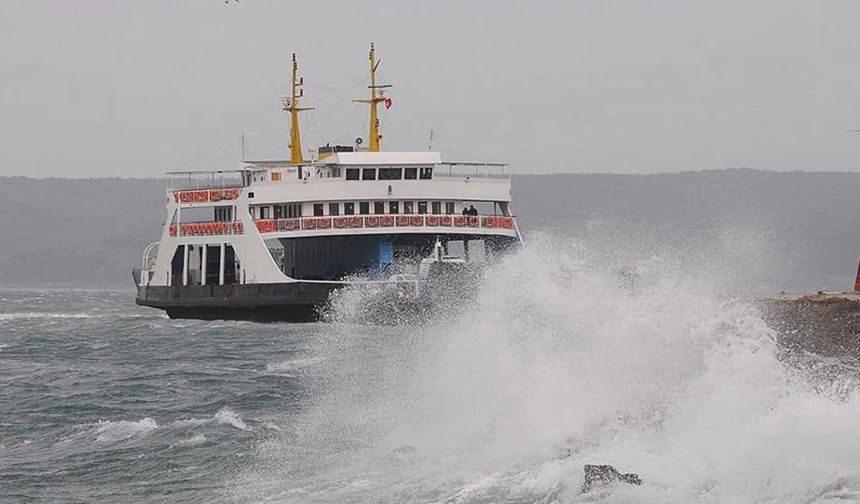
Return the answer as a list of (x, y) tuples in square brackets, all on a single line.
[(273, 239)]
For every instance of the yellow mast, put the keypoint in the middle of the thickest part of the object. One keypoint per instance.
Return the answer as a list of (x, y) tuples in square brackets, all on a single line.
[(291, 105), (376, 96)]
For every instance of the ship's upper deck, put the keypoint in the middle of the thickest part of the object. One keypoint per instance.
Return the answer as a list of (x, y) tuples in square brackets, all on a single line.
[(351, 175)]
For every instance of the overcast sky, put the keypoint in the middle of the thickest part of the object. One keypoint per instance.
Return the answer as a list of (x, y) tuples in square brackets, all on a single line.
[(137, 88)]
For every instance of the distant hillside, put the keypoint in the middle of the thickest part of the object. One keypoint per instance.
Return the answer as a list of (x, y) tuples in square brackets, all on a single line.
[(82, 232), (755, 230)]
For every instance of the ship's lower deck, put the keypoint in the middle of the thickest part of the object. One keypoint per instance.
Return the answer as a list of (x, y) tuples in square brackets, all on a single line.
[(313, 268)]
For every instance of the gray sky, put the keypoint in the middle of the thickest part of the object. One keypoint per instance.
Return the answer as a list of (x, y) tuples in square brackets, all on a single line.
[(137, 88)]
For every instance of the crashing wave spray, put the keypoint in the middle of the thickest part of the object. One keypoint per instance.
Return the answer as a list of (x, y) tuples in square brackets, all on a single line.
[(552, 366)]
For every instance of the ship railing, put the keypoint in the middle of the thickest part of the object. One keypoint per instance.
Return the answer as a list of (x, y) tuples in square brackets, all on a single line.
[(472, 170), (147, 263), (432, 221), (207, 179), (207, 228)]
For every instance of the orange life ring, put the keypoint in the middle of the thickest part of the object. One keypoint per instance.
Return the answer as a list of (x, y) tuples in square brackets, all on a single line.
[(387, 221), (356, 222), (402, 220), (417, 220), (324, 223), (340, 222), (506, 222), (309, 224), (201, 196), (488, 222), (474, 221), (432, 220), (371, 221), (460, 220), (215, 195), (186, 197), (445, 220)]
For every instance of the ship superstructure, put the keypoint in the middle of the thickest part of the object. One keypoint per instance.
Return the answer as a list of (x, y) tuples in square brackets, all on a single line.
[(272, 239)]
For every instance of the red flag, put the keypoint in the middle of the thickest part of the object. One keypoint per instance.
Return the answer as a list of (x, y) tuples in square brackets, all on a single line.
[(388, 103)]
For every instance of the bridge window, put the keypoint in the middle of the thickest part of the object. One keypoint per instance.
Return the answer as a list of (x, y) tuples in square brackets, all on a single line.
[(265, 212), (334, 208), (352, 173), (279, 211), (449, 207), (408, 207), (426, 173), (364, 208), (291, 210), (437, 207), (223, 214), (368, 174), (393, 207), (410, 173), (422, 207), (318, 209), (349, 208), (379, 207)]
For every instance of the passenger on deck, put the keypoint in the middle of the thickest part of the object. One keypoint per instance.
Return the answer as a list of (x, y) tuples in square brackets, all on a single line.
[(473, 210), (465, 211)]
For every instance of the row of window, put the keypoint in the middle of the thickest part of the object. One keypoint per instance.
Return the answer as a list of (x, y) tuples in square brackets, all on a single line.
[(394, 207), (389, 173)]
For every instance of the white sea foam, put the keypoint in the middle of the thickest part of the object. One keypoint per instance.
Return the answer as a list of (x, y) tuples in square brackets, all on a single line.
[(227, 416), (195, 440), (113, 431), (37, 315), (553, 367), (289, 366)]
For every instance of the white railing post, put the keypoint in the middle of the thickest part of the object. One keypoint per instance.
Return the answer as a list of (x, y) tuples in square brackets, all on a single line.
[(221, 266), (203, 265), (185, 254)]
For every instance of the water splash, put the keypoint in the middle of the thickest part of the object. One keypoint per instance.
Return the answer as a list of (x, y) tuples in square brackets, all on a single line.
[(552, 366)]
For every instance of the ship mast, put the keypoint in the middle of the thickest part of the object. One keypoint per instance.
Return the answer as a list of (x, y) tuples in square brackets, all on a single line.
[(376, 96), (291, 105)]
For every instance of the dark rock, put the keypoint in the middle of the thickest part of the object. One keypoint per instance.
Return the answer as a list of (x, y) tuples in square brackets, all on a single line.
[(601, 475)]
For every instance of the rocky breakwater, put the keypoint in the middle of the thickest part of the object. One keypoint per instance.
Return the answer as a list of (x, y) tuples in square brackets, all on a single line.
[(827, 324)]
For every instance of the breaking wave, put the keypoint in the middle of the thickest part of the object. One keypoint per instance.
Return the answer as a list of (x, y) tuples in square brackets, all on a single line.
[(109, 431), (552, 366), (37, 315)]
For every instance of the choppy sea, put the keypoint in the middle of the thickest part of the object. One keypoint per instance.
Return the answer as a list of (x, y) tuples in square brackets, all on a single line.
[(549, 367)]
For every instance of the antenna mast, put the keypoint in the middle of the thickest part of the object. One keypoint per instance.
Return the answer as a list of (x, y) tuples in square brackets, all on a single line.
[(291, 105), (376, 96)]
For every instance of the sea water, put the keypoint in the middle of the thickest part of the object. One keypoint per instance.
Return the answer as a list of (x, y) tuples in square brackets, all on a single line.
[(553, 364)]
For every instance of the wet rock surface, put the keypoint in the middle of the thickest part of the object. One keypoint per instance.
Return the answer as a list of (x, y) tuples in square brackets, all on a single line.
[(602, 475), (825, 324)]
